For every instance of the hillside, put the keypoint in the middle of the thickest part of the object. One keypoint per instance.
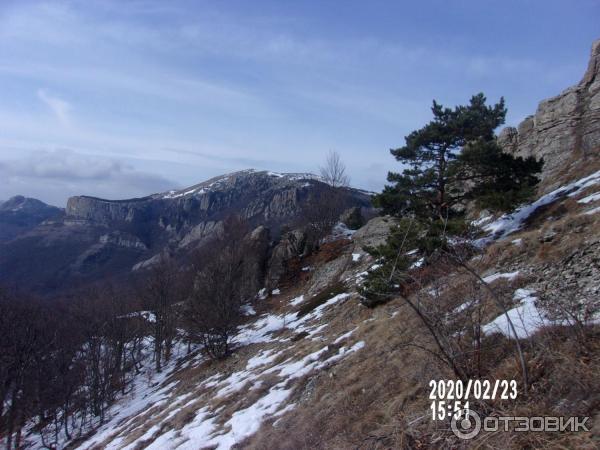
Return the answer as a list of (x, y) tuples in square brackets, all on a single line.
[(311, 366)]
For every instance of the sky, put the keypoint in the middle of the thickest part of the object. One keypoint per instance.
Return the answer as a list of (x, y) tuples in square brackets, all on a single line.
[(120, 99)]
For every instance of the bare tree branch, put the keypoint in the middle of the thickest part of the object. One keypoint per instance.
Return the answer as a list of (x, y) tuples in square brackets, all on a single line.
[(334, 171)]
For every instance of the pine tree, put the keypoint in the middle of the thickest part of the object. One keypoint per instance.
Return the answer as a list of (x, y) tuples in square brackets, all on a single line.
[(453, 159), (451, 162)]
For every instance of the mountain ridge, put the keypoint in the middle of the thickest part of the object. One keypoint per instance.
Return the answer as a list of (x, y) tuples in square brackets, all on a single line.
[(99, 237)]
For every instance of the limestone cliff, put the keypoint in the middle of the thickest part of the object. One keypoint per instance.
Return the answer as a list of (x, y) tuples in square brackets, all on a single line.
[(565, 130)]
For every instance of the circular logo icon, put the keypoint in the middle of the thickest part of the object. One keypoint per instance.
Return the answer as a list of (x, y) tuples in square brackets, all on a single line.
[(466, 425)]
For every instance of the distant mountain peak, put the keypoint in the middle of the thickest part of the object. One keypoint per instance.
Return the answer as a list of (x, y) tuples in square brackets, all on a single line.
[(225, 181), (20, 214), (19, 202)]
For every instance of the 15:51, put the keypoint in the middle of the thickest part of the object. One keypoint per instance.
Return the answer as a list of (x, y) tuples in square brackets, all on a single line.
[(441, 409)]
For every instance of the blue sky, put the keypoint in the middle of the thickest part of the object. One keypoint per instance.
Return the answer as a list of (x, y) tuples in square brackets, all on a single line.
[(125, 98)]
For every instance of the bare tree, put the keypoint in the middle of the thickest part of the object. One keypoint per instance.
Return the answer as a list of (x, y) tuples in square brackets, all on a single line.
[(321, 212), (334, 171), (222, 280), (25, 338), (63, 362), (161, 289)]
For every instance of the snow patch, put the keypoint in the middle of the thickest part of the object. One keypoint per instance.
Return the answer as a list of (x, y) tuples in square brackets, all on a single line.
[(344, 336), (526, 317), (590, 198), (248, 310), (496, 276), (592, 211), (263, 358), (509, 223), (296, 301)]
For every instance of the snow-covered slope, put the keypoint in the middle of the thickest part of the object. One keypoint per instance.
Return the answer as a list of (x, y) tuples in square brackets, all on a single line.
[(195, 403), (509, 223)]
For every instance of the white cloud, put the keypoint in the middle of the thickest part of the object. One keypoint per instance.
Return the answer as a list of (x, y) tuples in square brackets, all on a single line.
[(59, 107)]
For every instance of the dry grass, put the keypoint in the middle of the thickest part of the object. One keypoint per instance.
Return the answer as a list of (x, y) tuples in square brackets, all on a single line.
[(550, 236), (377, 398), (361, 402)]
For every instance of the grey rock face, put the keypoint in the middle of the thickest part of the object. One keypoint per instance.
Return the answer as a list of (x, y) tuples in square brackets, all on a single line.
[(122, 240), (201, 233), (374, 233), (99, 238), (565, 129), (292, 245)]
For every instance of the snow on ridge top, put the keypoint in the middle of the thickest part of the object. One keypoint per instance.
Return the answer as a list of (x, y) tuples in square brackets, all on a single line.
[(221, 181), (302, 176)]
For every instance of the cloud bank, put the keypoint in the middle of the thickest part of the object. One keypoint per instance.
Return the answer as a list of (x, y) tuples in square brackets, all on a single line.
[(49, 175)]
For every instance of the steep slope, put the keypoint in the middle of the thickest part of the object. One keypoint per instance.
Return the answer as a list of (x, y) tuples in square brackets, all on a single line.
[(21, 214), (313, 368), (100, 238)]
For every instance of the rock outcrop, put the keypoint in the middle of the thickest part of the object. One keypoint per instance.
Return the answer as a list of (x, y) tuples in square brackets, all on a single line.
[(291, 245), (565, 130), (353, 218), (374, 233)]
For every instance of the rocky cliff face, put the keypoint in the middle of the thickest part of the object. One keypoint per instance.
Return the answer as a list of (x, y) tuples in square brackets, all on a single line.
[(98, 237), (565, 130), (190, 214)]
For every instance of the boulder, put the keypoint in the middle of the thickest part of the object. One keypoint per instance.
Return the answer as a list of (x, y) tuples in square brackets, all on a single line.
[(353, 218), (374, 232)]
